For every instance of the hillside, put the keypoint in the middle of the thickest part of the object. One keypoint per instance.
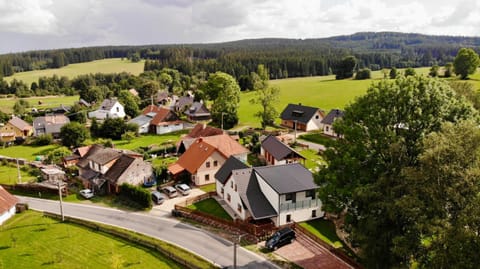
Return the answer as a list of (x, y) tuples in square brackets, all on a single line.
[(284, 57)]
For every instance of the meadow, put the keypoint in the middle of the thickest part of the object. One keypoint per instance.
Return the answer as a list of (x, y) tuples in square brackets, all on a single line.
[(39, 102), (30, 240), (27, 152), (113, 65)]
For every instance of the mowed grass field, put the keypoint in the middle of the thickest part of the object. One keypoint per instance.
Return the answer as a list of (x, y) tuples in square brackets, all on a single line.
[(113, 65), (30, 240), (324, 92), (27, 152), (41, 102), (9, 175)]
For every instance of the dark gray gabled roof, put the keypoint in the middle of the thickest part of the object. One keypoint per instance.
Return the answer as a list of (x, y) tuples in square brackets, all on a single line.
[(278, 149), (225, 171), (251, 194), (104, 156), (299, 113), (118, 168), (332, 115), (197, 109), (287, 178)]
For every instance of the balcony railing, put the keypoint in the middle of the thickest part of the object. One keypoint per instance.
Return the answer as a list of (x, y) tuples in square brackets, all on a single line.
[(289, 206)]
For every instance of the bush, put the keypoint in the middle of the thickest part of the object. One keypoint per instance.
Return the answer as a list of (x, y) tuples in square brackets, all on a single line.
[(136, 194), (363, 74), (43, 140)]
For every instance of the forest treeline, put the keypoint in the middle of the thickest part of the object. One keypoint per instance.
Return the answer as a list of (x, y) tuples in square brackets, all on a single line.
[(283, 57)]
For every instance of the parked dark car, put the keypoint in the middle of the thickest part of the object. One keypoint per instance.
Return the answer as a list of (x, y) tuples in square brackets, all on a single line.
[(280, 238)]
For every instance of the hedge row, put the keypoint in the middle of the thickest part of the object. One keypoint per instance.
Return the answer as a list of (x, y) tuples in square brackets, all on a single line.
[(136, 194)]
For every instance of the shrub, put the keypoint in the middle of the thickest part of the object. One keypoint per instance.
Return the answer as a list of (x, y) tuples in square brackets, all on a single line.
[(43, 140), (363, 74), (136, 194)]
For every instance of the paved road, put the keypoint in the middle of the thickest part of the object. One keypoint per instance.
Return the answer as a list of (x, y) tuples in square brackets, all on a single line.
[(207, 245)]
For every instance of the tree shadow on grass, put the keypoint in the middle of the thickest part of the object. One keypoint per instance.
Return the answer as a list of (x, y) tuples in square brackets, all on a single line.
[(4, 247)]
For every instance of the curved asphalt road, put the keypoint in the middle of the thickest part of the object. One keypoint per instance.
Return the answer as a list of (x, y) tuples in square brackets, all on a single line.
[(209, 246)]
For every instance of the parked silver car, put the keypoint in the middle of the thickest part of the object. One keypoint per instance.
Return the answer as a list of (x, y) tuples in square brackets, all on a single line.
[(170, 191), (86, 193), (184, 189)]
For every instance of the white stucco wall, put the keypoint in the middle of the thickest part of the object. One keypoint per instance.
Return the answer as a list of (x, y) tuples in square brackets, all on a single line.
[(315, 123), (235, 198), (144, 128), (7, 214), (297, 213), (163, 129), (269, 193), (211, 171), (218, 187)]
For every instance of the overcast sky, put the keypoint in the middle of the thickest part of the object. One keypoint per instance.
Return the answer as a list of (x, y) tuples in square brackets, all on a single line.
[(45, 24)]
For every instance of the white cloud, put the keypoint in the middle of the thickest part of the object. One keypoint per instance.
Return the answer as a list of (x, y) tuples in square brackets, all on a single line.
[(27, 16), (73, 23)]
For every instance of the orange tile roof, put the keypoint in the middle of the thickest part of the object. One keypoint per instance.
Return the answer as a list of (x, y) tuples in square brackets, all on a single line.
[(194, 157), (151, 108), (7, 200), (201, 130), (226, 145), (161, 116), (175, 168)]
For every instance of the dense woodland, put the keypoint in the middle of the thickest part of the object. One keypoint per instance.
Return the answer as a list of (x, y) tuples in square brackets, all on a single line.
[(283, 57)]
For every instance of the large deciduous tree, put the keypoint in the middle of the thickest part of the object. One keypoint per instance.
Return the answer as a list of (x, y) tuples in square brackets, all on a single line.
[(130, 103), (73, 134), (445, 188), (223, 89), (345, 67), (466, 62), (383, 133), (265, 95)]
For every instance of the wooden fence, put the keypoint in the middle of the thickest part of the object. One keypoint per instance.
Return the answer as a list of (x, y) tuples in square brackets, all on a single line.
[(256, 231), (337, 252)]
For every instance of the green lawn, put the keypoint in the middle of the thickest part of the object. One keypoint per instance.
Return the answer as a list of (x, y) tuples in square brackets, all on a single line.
[(30, 240), (9, 175), (325, 230), (313, 160), (115, 65), (27, 152), (150, 140), (6, 104), (208, 187), (316, 137), (212, 207)]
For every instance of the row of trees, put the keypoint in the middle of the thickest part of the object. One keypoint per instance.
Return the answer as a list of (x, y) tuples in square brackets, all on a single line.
[(406, 180)]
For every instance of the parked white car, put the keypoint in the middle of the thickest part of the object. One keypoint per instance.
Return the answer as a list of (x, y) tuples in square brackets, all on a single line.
[(86, 193), (184, 189)]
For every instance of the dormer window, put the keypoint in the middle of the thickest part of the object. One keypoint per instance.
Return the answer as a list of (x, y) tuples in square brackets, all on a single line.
[(297, 113)]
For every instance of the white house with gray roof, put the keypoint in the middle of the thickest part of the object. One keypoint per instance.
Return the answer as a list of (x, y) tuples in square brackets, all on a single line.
[(281, 193), (328, 121), (110, 108)]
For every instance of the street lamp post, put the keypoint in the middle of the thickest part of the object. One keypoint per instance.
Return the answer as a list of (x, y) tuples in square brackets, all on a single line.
[(223, 113), (235, 242)]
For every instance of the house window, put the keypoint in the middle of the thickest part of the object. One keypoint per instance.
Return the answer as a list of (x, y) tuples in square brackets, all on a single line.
[(231, 184), (118, 109), (239, 208), (229, 197), (221, 190), (310, 194), (290, 197), (208, 164), (289, 218), (235, 187), (215, 163), (314, 213), (207, 177), (326, 128), (316, 117)]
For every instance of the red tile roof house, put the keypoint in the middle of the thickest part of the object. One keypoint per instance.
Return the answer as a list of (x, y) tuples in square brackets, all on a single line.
[(302, 118), (157, 120), (279, 194), (105, 169), (275, 152), (7, 205), (204, 157)]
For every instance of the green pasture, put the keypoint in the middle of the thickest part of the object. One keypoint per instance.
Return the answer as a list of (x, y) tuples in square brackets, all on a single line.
[(114, 65), (325, 230), (27, 152), (40, 102), (30, 240)]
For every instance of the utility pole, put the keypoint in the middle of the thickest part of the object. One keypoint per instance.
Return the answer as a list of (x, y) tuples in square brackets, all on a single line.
[(60, 195), (19, 175), (222, 120), (295, 134), (236, 240)]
